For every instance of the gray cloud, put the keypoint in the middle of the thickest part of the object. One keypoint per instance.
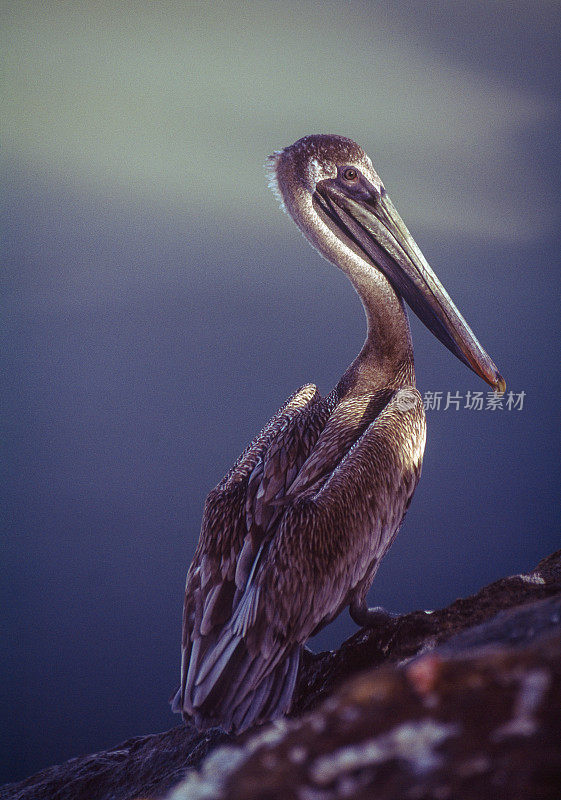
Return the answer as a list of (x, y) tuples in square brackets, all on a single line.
[(180, 104)]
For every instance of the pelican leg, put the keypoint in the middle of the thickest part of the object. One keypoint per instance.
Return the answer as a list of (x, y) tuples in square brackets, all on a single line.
[(369, 617)]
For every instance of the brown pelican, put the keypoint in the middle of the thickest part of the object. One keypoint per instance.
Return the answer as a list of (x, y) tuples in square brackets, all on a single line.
[(296, 530)]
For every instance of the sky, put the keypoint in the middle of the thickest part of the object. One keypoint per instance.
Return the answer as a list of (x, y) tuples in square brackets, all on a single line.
[(158, 308)]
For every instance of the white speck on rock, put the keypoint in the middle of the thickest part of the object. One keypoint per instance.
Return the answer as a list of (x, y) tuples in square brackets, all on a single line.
[(412, 742), (271, 734), (208, 783), (428, 645), (532, 577), (533, 685)]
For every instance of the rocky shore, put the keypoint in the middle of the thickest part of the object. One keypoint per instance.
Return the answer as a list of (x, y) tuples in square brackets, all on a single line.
[(463, 702)]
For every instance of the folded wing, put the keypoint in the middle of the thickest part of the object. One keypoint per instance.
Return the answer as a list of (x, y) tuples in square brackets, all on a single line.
[(286, 544)]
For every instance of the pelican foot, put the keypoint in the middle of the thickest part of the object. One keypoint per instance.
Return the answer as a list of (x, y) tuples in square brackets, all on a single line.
[(369, 617)]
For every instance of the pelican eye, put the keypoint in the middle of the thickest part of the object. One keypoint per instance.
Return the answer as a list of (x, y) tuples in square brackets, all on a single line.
[(350, 174)]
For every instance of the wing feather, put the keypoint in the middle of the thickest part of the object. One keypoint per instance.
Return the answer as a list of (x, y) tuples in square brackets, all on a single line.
[(221, 599), (337, 533)]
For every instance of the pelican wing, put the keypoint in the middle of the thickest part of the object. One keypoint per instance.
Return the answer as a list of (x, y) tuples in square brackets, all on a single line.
[(336, 534), (303, 555), (231, 535)]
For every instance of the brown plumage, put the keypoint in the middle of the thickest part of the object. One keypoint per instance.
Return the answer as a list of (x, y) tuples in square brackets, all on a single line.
[(296, 530)]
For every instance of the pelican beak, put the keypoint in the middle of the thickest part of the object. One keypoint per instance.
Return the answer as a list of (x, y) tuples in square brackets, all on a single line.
[(371, 222)]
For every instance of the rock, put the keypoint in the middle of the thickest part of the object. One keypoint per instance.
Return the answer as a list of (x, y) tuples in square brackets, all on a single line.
[(143, 767), (483, 725), (403, 637), (461, 702)]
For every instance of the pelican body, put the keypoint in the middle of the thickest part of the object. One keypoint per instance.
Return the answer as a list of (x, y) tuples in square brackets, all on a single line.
[(296, 530)]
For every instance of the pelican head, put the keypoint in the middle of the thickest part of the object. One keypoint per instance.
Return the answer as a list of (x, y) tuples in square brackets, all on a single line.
[(329, 187)]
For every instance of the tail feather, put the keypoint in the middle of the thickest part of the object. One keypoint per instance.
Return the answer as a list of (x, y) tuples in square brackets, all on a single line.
[(281, 697), (205, 684), (175, 701), (249, 710), (244, 712), (250, 674), (190, 666), (234, 689)]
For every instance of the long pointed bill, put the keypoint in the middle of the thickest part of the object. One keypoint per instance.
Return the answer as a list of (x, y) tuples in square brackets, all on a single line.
[(375, 227)]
